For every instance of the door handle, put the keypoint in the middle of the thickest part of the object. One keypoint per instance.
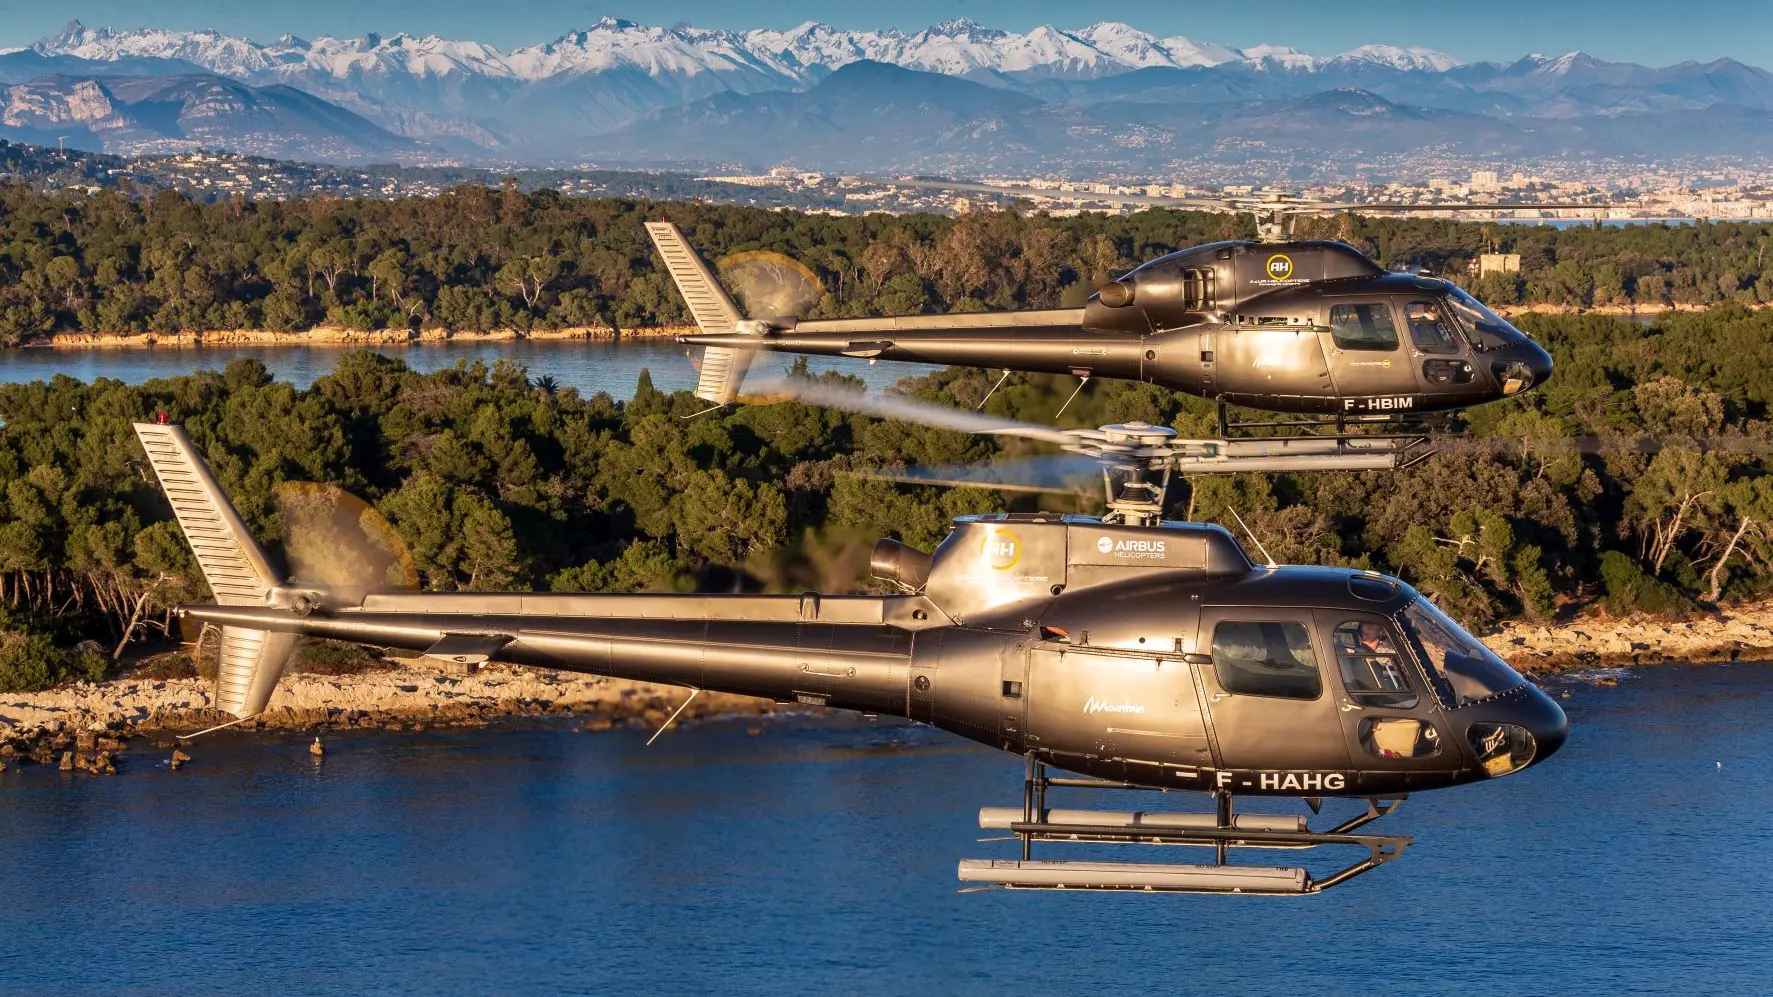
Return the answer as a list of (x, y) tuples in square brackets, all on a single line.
[(1215, 697)]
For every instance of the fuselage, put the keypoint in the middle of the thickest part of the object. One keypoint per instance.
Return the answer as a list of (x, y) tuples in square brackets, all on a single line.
[(1305, 327), (1156, 655)]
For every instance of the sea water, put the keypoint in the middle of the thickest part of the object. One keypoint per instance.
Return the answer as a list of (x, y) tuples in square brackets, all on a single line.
[(591, 366), (817, 855)]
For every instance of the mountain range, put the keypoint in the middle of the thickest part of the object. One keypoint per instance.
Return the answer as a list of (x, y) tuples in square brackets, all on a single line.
[(955, 93)]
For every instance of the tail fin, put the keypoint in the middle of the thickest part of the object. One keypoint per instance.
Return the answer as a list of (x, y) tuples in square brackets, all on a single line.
[(237, 570), (723, 367)]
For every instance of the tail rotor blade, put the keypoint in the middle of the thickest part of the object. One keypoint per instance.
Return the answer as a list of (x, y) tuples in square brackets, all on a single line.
[(771, 285), (336, 542)]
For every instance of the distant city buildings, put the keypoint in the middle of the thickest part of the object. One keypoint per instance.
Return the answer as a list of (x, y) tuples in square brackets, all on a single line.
[(1598, 190)]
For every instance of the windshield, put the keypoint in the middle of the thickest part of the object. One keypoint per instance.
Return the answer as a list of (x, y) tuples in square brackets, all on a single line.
[(1484, 323), (1461, 670)]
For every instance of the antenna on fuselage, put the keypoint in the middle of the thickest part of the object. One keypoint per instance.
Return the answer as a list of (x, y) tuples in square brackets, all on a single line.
[(1266, 556)]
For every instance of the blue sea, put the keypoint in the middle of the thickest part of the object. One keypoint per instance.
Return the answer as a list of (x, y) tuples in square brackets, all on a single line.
[(588, 365), (799, 854)]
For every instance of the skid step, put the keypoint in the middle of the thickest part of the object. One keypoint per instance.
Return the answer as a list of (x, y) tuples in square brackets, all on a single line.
[(999, 818), (1148, 877)]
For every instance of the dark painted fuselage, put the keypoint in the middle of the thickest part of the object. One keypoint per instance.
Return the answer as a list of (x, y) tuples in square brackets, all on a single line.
[(1103, 649), (1260, 325)]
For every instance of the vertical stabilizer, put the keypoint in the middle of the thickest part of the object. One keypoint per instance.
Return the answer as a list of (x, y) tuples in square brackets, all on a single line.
[(237, 570), (723, 367)]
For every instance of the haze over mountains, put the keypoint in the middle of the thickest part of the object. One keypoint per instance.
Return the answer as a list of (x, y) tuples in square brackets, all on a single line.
[(954, 96)]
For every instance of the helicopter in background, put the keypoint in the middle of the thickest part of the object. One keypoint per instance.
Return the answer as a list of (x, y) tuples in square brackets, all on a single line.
[(1308, 328)]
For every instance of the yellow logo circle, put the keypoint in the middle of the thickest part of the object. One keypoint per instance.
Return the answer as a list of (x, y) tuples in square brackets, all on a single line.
[(1001, 549), (1280, 266)]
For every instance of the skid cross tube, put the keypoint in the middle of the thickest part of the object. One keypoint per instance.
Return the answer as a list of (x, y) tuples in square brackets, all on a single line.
[(1380, 848), (1223, 836)]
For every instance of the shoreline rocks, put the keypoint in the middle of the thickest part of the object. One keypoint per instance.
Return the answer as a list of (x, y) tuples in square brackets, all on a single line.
[(331, 336), (1739, 633), (85, 727)]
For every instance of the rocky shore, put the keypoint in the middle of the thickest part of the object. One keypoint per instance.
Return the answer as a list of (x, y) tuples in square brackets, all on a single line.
[(88, 727), (1638, 310), (331, 336), (1740, 633)]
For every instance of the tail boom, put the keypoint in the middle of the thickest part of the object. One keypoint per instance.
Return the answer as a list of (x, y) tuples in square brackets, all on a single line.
[(857, 666)]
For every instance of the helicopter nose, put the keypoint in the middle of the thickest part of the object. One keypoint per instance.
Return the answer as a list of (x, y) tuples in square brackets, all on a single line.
[(1546, 721), (1539, 362), (1523, 365)]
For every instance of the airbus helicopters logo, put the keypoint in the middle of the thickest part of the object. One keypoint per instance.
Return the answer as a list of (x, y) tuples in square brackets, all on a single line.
[(1001, 549), (1147, 549)]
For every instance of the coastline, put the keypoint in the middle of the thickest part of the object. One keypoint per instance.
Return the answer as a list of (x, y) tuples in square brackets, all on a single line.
[(356, 338), (1739, 633), (333, 336), (85, 726), (1616, 311)]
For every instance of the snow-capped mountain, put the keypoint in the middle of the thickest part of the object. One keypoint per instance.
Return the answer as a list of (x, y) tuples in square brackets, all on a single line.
[(799, 55), (554, 99)]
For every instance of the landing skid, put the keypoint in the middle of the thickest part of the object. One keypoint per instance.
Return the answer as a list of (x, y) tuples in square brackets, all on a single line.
[(1221, 830)]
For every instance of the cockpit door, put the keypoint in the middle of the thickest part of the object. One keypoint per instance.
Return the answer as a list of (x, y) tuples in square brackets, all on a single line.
[(1389, 715), (1367, 358), (1439, 353), (1272, 706)]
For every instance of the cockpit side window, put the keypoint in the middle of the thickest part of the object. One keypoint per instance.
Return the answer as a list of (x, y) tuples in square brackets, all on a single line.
[(1364, 326), (1461, 670), (1428, 330), (1266, 658), (1372, 671)]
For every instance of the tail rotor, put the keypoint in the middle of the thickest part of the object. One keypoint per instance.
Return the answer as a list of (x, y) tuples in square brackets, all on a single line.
[(775, 289)]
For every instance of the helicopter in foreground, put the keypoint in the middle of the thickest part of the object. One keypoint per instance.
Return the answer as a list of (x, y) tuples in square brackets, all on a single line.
[(1122, 652), (1308, 328)]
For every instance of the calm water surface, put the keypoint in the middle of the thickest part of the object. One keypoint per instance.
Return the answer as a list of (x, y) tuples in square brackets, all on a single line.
[(819, 856), (590, 366)]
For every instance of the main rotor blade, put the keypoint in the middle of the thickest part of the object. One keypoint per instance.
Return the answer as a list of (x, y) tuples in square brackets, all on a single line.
[(913, 410), (1063, 474)]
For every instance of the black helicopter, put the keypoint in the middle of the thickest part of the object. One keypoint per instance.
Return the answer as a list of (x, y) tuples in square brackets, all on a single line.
[(1131, 652), (1299, 327)]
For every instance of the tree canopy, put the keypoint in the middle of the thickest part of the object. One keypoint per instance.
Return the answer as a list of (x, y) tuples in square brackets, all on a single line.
[(476, 258)]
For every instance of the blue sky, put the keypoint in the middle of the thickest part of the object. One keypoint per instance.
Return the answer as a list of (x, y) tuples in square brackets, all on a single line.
[(1632, 30)]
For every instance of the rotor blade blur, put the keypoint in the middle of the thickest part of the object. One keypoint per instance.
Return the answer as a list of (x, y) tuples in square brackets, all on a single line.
[(771, 285), (1064, 474), (338, 542), (911, 410)]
